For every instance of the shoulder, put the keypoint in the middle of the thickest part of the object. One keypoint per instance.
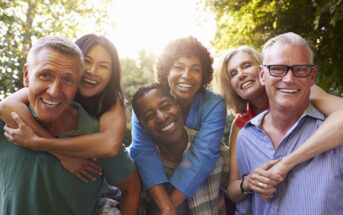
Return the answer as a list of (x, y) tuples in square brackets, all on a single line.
[(207, 107), (117, 169), (208, 95), (313, 112), (241, 119), (250, 130), (86, 123), (234, 131), (207, 100), (257, 120)]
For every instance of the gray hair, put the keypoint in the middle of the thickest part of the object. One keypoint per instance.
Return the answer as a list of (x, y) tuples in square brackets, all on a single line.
[(289, 38), (60, 44), (222, 80)]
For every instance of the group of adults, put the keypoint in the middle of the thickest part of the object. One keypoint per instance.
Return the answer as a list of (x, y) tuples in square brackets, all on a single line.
[(61, 135)]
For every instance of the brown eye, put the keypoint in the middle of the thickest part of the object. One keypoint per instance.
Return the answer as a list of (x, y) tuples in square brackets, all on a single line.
[(178, 68), (87, 61), (104, 67), (69, 81), (148, 116), (247, 66), (233, 73), (166, 106), (45, 76)]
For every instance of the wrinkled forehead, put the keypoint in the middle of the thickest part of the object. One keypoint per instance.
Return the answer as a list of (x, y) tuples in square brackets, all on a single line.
[(49, 58), (286, 51)]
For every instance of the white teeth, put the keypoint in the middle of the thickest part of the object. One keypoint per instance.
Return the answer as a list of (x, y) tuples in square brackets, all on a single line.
[(50, 103), (289, 90), (246, 84), (168, 127), (89, 81), (185, 85)]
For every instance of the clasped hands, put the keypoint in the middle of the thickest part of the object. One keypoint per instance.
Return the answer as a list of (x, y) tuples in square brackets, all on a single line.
[(21, 134), (263, 180)]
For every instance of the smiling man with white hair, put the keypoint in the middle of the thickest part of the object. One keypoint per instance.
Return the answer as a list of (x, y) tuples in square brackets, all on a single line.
[(312, 187)]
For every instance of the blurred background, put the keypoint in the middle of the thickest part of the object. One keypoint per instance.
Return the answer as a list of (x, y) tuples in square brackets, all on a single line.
[(140, 28)]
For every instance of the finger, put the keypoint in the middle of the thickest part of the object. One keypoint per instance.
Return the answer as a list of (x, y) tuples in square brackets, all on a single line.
[(265, 192), (93, 170), (260, 175), (265, 176), (276, 177), (267, 180), (269, 164), (263, 188), (87, 175), (79, 176), (96, 168), (8, 136), (268, 190), (8, 129), (16, 118)]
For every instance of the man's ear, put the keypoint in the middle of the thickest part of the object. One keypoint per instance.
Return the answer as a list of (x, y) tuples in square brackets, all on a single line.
[(26, 75), (261, 73), (142, 125)]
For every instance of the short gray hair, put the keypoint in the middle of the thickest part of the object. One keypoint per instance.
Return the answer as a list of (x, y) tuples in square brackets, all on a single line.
[(289, 38), (60, 44)]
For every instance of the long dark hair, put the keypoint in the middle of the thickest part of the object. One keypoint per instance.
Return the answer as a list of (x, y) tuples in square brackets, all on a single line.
[(98, 104)]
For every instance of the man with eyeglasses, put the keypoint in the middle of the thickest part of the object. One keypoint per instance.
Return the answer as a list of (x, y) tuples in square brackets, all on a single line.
[(312, 187)]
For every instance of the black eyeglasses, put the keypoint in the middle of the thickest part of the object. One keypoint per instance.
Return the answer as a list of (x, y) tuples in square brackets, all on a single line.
[(300, 71)]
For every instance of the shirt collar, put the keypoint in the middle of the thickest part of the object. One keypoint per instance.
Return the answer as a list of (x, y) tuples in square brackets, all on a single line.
[(310, 111), (75, 104)]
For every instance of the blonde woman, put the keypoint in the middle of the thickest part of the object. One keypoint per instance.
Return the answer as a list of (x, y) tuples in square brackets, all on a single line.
[(236, 79)]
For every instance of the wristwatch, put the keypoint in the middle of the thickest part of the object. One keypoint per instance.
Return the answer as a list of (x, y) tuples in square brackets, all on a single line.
[(241, 186)]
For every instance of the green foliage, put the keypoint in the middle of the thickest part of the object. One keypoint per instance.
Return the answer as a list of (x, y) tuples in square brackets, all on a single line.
[(23, 21), (254, 22), (135, 73)]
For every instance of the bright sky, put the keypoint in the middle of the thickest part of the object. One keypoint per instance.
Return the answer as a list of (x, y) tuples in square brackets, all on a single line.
[(149, 24)]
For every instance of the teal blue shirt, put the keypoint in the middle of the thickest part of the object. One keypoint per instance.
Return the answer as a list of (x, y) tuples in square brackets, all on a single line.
[(35, 183)]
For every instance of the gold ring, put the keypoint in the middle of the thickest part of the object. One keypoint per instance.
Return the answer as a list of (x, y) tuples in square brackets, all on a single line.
[(260, 185)]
